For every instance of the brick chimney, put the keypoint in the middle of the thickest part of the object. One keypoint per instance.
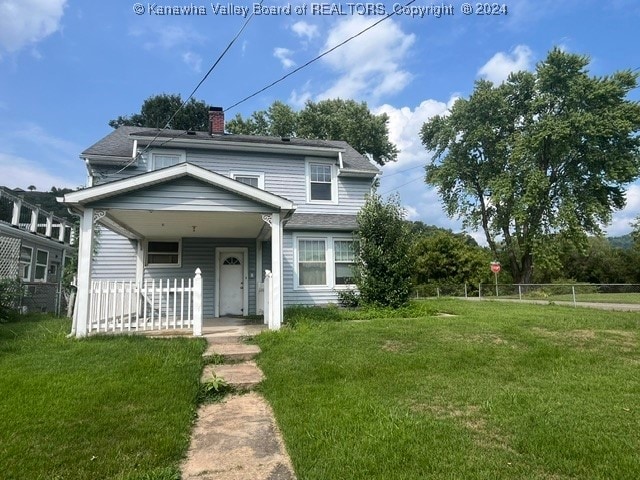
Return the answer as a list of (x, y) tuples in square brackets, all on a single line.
[(216, 121)]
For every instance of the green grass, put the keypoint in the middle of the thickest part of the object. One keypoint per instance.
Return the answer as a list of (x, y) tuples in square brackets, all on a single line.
[(103, 407), (500, 391)]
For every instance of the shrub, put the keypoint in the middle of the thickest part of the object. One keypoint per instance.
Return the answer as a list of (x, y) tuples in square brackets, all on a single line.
[(348, 298), (10, 294)]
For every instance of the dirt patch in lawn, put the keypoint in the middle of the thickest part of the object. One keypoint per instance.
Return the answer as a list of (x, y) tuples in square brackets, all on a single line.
[(587, 338), (471, 418)]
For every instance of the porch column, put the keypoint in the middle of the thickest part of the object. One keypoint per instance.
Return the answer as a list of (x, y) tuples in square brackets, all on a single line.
[(276, 269), (84, 272)]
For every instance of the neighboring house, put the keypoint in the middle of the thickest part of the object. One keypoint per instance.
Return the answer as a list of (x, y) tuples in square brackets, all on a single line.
[(238, 208), (34, 247)]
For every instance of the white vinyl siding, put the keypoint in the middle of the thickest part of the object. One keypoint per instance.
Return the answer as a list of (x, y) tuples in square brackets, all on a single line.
[(42, 263), (26, 259), (163, 253)]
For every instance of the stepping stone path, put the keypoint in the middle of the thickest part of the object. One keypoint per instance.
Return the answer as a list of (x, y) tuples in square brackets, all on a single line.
[(238, 438)]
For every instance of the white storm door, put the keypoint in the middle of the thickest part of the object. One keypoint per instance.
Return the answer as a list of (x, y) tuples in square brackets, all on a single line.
[(231, 299)]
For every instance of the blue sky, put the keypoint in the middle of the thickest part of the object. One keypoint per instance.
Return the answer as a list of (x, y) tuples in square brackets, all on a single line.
[(68, 67)]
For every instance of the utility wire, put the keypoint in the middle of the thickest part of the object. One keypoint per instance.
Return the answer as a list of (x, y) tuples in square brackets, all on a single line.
[(326, 52), (193, 92), (402, 185)]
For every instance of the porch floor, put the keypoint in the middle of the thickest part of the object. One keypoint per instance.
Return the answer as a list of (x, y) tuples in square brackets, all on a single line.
[(217, 326)]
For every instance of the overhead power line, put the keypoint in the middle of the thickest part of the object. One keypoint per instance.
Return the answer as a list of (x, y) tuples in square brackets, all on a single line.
[(193, 92), (326, 52)]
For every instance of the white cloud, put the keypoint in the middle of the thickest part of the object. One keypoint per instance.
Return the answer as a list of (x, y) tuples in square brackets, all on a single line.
[(284, 54), (26, 22), (298, 100), (406, 176), (498, 68), (305, 30), (166, 37), (30, 155), (620, 224), (193, 61), (404, 131), (21, 172), (370, 65)]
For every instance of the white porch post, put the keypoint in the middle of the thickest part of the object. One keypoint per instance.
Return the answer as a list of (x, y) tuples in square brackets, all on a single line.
[(15, 216), (84, 272), (276, 269), (197, 303)]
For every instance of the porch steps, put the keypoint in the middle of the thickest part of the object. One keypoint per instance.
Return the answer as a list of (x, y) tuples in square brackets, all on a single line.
[(232, 352)]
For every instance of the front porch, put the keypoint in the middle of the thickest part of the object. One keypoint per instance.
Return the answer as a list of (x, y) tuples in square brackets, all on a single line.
[(193, 244)]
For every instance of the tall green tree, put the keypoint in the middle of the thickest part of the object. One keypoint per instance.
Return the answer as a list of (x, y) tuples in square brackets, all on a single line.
[(447, 258), (157, 110), (384, 264), (324, 120), (544, 152)]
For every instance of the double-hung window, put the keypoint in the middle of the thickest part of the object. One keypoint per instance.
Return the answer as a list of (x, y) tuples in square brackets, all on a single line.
[(312, 262), (26, 256), (42, 264), (324, 261), (321, 183), (344, 258)]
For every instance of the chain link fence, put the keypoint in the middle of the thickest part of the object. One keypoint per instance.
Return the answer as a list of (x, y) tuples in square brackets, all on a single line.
[(552, 292)]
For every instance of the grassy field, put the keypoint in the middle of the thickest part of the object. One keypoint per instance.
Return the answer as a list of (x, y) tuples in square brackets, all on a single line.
[(633, 298), (104, 407), (498, 391)]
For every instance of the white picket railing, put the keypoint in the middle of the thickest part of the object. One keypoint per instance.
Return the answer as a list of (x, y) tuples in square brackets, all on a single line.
[(124, 306)]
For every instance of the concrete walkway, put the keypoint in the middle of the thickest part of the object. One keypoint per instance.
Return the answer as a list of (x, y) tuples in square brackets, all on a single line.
[(236, 439)]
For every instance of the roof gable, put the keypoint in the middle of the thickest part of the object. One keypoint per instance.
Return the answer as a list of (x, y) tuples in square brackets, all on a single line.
[(149, 180)]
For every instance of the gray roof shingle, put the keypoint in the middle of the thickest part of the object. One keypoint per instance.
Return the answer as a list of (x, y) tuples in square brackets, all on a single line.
[(322, 221), (119, 144)]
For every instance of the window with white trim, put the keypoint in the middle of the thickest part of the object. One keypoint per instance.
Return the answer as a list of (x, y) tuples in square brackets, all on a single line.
[(321, 183), (42, 264), (312, 262), (343, 259), (163, 253), (158, 160), (26, 257), (254, 179), (323, 262)]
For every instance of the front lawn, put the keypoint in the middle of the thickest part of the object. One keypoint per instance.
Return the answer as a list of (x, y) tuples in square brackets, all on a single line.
[(499, 391), (103, 407)]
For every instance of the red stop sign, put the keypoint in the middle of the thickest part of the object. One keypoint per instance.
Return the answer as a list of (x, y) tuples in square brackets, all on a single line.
[(495, 267)]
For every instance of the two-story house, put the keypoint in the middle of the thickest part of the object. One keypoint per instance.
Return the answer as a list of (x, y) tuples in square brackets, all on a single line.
[(161, 204)]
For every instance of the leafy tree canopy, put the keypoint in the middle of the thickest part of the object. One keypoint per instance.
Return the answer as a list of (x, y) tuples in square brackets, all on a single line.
[(447, 258), (158, 109), (545, 152), (324, 120)]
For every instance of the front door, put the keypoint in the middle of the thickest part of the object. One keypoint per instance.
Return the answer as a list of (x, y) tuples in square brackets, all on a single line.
[(232, 283)]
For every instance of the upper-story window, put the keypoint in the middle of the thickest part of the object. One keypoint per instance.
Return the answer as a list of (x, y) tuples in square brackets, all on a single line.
[(255, 179), (322, 183), (164, 159)]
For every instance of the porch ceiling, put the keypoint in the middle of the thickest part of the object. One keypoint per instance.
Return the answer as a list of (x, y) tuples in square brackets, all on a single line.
[(160, 224)]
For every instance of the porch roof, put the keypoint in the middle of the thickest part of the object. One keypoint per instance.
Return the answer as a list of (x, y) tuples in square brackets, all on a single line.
[(182, 200), (81, 198)]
